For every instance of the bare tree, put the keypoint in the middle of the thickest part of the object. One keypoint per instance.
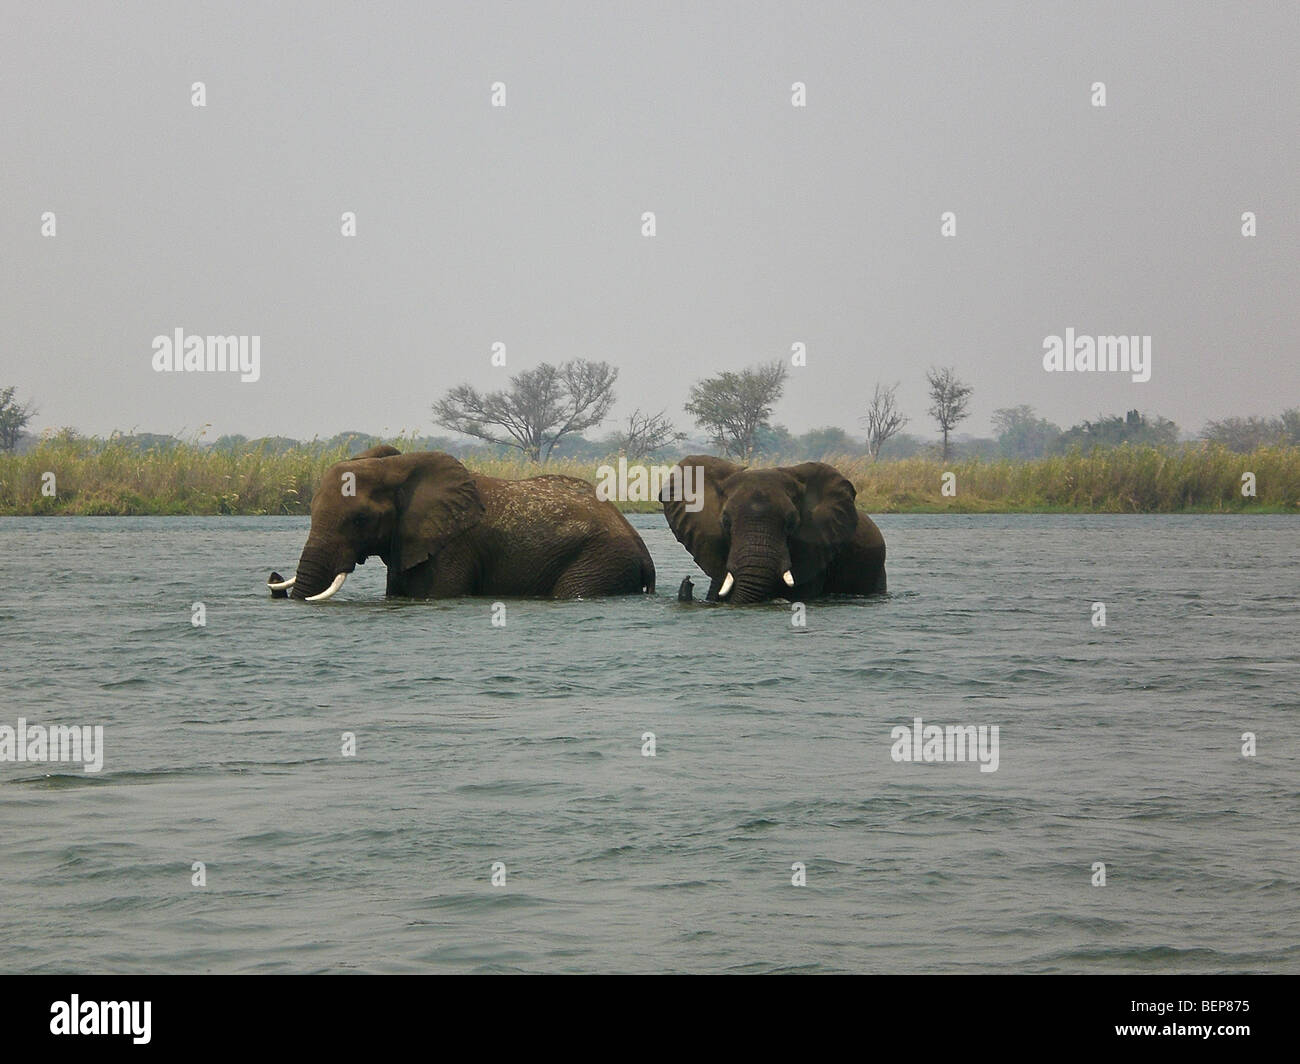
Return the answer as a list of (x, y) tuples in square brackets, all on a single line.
[(733, 407), (540, 407), (646, 434), (949, 397), (883, 418), (13, 418)]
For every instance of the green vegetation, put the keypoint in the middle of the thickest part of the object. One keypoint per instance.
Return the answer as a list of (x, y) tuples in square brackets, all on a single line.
[(14, 417), (118, 476), (1126, 479)]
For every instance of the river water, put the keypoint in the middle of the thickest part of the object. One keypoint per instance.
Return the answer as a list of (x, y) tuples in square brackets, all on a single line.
[(522, 747)]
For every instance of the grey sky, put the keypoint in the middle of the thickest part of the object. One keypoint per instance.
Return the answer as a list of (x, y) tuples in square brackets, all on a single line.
[(522, 224)]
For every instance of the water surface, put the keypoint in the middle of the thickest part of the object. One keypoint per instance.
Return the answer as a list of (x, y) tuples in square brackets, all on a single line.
[(523, 745)]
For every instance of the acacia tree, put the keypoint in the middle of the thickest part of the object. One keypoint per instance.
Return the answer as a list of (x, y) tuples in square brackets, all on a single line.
[(733, 407), (13, 418), (883, 418), (540, 407), (645, 434), (949, 398)]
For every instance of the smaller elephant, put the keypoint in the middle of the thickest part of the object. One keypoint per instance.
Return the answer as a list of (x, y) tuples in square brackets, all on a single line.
[(793, 531), (444, 531)]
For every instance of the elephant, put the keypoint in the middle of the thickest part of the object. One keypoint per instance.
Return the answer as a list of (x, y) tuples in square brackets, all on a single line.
[(793, 532), (443, 532)]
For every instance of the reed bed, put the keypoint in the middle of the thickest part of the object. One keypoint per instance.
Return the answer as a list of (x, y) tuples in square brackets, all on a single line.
[(1192, 479), (94, 477)]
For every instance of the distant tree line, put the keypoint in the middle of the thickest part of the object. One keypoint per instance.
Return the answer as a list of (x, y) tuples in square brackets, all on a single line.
[(544, 412)]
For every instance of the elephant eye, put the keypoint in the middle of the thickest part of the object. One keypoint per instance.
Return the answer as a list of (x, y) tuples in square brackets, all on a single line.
[(792, 520), (726, 521)]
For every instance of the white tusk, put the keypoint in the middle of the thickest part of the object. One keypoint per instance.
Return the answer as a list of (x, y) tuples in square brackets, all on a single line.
[(283, 585), (329, 591), (788, 577), (725, 589)]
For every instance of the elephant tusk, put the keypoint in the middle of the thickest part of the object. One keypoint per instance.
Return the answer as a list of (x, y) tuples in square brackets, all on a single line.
[(788, 577), (283, 585), (725, 589), (329, 591)]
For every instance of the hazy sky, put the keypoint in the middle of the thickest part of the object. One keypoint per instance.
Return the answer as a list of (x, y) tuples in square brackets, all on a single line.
[(522, 224)]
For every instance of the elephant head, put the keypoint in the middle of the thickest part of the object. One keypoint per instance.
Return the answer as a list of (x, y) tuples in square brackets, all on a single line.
[(762, 533), (402, 507)]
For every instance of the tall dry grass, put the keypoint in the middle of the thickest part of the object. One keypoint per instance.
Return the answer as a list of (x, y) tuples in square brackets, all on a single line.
[(94, 477), (1201, 479)]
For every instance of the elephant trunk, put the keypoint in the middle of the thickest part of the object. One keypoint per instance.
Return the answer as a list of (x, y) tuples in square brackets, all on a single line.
[(316, 571), (756, 566), (752, 585)]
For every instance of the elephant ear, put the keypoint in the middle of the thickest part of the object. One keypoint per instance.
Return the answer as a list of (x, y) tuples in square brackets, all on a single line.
[(436, 499), (828, 514), (699, 532)]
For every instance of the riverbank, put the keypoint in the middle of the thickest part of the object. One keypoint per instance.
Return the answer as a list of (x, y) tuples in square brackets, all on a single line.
[(93, 478)]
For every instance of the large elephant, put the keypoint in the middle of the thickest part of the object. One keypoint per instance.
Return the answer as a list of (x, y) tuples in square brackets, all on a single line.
[(793, 531), (444, 531)]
